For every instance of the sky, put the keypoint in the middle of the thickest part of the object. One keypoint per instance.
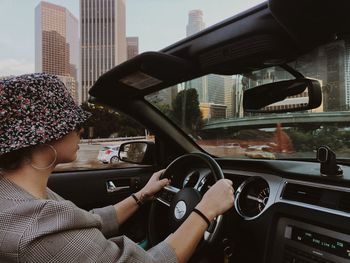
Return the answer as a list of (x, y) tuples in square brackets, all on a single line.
[(157, 23)]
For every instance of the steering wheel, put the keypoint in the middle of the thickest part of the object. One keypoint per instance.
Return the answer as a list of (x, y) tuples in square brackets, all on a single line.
[(178, 202)]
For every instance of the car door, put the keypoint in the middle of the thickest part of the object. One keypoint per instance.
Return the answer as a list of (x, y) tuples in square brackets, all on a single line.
[(90, 189), (90, 183)]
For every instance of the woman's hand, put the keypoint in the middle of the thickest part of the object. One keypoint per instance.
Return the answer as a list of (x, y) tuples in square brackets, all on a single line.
[(153, 186), (217, 200), (128, 206)]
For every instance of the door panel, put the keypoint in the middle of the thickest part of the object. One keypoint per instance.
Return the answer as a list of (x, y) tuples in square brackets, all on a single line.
[(88, 190)]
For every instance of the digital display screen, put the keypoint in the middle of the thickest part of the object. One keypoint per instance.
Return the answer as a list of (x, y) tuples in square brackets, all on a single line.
[(324, 243)]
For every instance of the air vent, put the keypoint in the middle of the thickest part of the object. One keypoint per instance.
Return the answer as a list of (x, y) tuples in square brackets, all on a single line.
[(302, 193), (335, 198), (344, 202)]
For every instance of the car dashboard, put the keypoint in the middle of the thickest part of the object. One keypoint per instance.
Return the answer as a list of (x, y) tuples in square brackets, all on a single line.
[(288, 213)]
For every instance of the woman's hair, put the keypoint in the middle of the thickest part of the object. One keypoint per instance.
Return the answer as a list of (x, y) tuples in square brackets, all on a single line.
[(13, 160)]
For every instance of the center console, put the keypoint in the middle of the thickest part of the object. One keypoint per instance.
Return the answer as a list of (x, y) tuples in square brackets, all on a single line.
[(299, 242)]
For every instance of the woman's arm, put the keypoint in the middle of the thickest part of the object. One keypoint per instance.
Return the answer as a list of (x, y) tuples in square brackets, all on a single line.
[(216, 201), (128, 206), (61, 232)]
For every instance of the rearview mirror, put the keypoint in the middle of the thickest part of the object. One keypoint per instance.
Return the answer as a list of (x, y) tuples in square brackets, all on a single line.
[(283, 96), (137, 152)]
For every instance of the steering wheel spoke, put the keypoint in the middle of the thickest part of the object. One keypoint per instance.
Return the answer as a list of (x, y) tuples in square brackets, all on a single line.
[(201, 182), (167, 194), (213, 228), (180, 202)]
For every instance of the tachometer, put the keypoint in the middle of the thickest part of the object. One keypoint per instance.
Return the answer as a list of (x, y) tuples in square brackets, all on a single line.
[(252, 197)]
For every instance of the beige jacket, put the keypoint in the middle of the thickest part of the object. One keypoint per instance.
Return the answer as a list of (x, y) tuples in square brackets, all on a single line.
[(55, 230)]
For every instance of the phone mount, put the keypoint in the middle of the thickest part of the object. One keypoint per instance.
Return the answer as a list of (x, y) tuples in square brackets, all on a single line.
[(328, 161)]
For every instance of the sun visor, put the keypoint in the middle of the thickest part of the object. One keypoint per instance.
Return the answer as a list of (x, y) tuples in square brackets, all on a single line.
[(143, 74)]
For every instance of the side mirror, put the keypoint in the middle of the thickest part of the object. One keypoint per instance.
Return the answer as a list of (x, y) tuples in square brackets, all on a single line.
[(137, 152), (283, 96)]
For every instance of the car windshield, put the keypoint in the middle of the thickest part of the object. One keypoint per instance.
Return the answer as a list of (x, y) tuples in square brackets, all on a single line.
[(78, 41), (209, 109)]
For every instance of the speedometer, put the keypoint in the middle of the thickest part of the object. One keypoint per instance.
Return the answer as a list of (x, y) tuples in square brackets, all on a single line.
[(252, 197)]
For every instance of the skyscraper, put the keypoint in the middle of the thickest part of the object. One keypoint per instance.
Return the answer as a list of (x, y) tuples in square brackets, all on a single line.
[(211, 88), (230, 98), (103, 41), (57, 43), (195, 22), (334, 91), (347, 70), (132, 44)]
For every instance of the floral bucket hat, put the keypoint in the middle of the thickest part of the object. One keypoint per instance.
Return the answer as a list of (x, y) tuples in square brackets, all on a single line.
[(34, 109)]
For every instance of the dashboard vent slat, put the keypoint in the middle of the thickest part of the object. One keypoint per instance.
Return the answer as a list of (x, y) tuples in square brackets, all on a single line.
[(302, 193)]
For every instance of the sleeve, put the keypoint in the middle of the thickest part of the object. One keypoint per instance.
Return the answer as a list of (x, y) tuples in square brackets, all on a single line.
[(107, 215), (64, 233), (109, 222)]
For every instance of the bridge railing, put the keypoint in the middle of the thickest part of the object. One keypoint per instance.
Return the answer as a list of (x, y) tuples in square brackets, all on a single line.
[(113, 139)]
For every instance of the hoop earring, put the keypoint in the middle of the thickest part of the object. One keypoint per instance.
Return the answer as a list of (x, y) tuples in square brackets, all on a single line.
[(51, 164)]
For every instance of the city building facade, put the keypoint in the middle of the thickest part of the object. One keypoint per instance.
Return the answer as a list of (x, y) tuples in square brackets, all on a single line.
[(212, 111), (230, 95), (56, 42), (103, 39), (334, 90), (71, 85), (195, 22), (347, 70), (132, 44), (194, 25)]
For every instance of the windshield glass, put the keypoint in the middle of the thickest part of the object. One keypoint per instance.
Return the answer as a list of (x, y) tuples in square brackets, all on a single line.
[(209, 109)]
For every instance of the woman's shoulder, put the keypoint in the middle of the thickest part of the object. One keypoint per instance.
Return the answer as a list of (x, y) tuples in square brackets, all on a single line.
[(24, 209), (53, 195), (11, 191)]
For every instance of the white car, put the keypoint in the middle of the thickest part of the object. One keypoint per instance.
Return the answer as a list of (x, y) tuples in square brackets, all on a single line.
[(260, 152), (109, 154), (265, 148), (233, 145)]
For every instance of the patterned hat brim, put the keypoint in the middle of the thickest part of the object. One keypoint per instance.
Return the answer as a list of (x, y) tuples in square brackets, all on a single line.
[(35, 109)]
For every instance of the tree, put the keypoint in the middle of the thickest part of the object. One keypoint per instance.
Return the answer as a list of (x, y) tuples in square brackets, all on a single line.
[(129, 127), (312, 139), (106, 122), (164, 108), (251, 134), (186, 110)]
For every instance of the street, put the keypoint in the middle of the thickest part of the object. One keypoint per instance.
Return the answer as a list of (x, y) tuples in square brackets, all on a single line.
[(87, 158)]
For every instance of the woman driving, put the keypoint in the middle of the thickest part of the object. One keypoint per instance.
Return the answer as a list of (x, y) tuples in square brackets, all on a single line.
[(40, 128)]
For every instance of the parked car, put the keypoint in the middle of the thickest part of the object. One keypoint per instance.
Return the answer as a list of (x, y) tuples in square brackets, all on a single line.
[(232, 145), (109, 154), (260, 152), (265, 148)]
